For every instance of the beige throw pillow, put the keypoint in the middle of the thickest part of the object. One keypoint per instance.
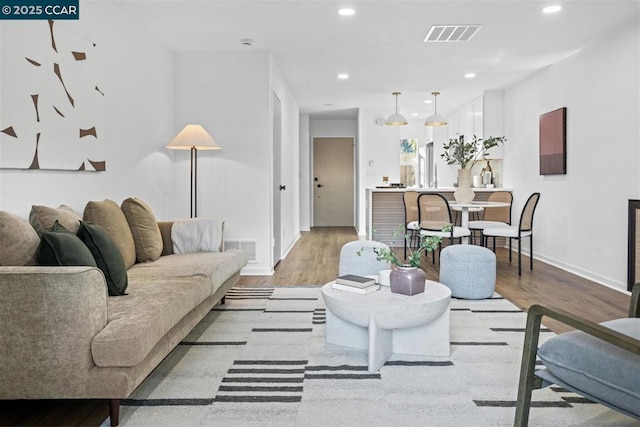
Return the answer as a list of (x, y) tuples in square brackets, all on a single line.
[(144, 228), (108, 215), (43, 217), (19, 241)]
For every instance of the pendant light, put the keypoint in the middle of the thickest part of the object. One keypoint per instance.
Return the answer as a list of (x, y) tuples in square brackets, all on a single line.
[(436, 119), (396, 119)]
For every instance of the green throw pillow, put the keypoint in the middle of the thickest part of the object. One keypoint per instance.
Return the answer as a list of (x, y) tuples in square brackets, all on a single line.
[(62, 248), (107, 256)]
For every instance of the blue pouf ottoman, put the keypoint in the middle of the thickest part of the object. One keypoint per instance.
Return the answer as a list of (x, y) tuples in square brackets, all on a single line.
[(468, 270)]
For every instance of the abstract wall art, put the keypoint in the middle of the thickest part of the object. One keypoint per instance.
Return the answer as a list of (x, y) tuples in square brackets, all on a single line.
[(52, 111), (553, 142)]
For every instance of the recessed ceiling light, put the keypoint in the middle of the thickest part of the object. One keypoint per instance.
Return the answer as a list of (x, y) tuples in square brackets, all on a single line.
[(469, 75), (346, 12), (343, 76), (428, 101), (414, 114), (552, 9)]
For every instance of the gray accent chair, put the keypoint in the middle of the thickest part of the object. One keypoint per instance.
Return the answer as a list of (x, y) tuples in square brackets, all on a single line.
[(598, 361), (365, 264)]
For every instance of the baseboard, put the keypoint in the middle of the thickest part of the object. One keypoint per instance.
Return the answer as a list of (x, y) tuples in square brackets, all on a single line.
[(291, 246), (585, 274), (256, 270)]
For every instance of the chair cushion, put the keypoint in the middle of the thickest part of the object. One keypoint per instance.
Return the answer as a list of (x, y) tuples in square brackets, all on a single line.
[(481, 225), (43, 217), (504, 231), (108, 215), (600, 369), (107, 256), (19, 241), (457, 232), (413, 225), (144, 228)]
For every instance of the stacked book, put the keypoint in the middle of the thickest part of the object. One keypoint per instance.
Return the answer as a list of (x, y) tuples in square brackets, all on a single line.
[(357, 284)]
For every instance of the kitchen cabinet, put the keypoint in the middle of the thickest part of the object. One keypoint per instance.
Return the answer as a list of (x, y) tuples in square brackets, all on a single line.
[(482, 117)]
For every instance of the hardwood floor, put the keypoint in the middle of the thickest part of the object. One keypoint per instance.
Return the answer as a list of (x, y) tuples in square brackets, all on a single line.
[(314, 261)]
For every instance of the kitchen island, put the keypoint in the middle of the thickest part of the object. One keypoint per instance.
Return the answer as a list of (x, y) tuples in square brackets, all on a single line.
[(385, 209)]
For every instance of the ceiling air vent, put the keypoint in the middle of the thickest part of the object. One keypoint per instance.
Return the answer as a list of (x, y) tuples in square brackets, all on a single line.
[(451, 33)]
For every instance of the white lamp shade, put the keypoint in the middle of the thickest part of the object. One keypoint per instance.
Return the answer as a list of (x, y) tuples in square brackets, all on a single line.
[(436, 120), (396, 120), (193, 136)]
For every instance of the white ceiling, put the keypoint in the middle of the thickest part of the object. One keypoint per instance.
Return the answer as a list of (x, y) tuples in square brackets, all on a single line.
[(381, 47)]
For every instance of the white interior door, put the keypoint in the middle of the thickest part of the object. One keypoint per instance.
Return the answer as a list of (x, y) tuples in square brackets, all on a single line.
[(333, 182)]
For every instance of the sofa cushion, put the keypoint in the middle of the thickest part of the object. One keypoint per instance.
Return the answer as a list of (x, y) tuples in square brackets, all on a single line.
[(601, 369), (43, 217), (144, 228), (59, 247), (108, 215), (139, 320), (107, 256), (19, 241), (217, 266)]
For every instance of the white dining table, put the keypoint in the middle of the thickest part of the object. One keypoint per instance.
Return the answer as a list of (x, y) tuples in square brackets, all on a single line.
[(464, 218)]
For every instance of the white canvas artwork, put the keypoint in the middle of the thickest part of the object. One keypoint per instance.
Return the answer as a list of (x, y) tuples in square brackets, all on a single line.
[(52, 113)]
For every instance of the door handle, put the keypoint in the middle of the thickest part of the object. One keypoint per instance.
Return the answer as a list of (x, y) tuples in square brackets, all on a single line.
[(320, 185), (283, 187)]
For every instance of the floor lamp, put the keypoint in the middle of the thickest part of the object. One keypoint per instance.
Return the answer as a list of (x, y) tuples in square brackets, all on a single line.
[(194, 138)]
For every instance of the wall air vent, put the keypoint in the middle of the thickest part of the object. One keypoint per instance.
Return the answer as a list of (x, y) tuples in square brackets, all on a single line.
[(249, 246), (451, 33)]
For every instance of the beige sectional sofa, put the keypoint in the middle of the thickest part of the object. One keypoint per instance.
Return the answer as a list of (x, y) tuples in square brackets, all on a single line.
[(63, 337)]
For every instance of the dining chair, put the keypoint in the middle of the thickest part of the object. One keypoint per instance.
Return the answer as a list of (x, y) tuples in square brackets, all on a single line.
[(600, 361), (434, 214), (494, 216), (357, 257), (411, 218), (519, 232)]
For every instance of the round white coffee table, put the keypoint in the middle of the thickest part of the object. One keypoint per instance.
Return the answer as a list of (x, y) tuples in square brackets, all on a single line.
[(385, 323)]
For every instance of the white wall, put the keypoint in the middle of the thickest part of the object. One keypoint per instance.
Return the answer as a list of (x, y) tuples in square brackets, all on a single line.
[(230, 95), (138, 87), (581, 221), (305, 173), (290, 160), (379, 153)]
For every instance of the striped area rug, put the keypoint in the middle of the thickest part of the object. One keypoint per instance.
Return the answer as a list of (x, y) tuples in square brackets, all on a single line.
[(261, 360)]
